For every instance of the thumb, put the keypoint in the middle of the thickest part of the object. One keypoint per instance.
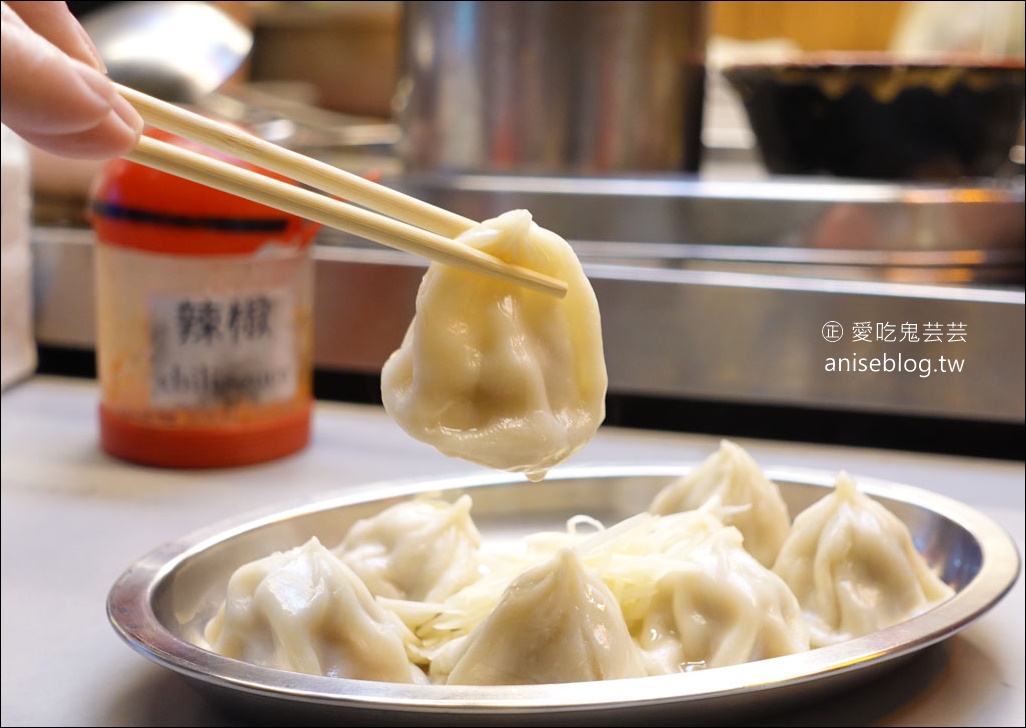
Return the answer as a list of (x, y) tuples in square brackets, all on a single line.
[(47, 95)]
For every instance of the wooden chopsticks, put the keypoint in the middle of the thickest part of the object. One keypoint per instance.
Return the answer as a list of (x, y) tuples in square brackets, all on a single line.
[(405, 223)]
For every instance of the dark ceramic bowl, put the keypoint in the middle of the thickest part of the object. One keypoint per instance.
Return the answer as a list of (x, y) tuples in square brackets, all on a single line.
[(874, 117)]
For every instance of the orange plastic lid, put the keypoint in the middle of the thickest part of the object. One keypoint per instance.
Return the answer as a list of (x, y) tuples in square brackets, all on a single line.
[(135, 206), (204, 447)]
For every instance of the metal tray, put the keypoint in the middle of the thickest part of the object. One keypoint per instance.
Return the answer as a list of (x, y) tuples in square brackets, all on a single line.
[(161, 603)]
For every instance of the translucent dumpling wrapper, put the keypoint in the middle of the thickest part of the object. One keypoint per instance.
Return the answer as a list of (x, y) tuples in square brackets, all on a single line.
[(555, 623), (720, 607), (854, 567), (304, 610), (731, 485), (691, 595), (630, 557), (424, 549), (497, 374)]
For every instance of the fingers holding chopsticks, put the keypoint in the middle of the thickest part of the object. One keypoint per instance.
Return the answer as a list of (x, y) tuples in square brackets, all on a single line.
[(55, 94)]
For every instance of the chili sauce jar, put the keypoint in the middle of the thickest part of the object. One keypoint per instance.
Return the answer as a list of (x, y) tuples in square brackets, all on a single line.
[(204, 320)]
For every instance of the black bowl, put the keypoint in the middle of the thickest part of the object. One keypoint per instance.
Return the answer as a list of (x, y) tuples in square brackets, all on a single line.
[(874, 117)]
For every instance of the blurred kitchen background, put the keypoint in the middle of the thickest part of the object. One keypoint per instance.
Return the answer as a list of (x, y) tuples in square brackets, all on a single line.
[(619, 126)]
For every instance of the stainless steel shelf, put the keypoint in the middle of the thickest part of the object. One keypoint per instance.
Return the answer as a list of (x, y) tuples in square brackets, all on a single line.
[(821, 227), (716, 336)]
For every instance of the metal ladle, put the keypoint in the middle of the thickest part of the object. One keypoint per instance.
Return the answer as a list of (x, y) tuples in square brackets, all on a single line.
[(183, 52), (177, 51)]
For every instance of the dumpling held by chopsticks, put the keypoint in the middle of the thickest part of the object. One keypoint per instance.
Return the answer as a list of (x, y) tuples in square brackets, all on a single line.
[(494, 373)]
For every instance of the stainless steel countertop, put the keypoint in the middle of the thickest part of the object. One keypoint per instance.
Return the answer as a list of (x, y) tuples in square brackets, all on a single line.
[(73, 519)]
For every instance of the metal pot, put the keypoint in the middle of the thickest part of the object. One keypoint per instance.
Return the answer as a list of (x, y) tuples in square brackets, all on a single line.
[(538, 87)]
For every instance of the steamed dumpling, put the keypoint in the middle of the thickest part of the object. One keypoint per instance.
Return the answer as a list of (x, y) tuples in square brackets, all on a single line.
[(854, 568), (731, 485), (424, 549), (555, 623), (720, 607), (691, 595), (494, 373), (304, 610)]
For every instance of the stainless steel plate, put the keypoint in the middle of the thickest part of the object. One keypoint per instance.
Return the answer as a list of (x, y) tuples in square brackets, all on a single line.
[(161, 603)]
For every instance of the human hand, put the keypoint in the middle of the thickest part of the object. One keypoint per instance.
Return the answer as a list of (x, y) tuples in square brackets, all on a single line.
[(55, 93)]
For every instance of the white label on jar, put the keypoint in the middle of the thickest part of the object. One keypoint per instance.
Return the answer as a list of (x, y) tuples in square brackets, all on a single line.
[(221, 351)]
